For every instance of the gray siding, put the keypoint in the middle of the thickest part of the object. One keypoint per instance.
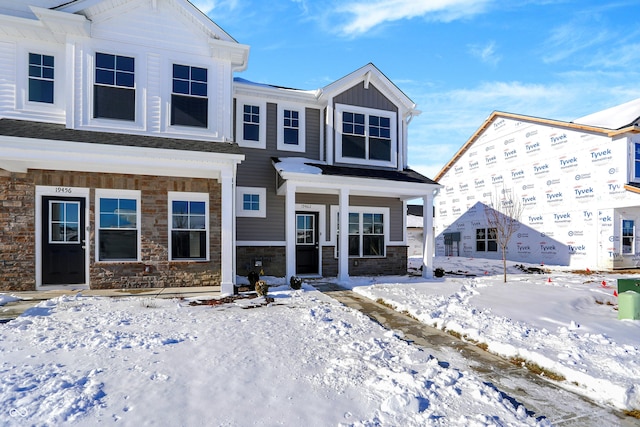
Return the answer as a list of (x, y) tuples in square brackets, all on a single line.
[(369, 98), (257, 171)]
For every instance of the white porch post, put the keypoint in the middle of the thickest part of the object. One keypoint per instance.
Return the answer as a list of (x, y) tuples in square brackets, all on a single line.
[(427, 236), (227, 232), (343, 243), (290, 229)]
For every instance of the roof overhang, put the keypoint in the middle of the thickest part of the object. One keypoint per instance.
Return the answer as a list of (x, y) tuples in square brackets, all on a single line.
[(21, 154)]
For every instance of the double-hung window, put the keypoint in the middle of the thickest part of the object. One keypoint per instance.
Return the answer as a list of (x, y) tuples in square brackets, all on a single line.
[(628, 236), (114, 95), (189, 226), (189, 97), (118, 225), (251, 119), (367, 231), (366, 136), (486, 240), (291, 127), (41, 74)]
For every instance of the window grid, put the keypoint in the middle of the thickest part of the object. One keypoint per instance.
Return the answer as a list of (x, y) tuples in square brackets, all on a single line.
[(118, 229), (41, 78), (486, 240), (188, 80), (251, 122), (366, 234), (115, 70), (251, 202), (291, 127), (64, 220), (188, 226)]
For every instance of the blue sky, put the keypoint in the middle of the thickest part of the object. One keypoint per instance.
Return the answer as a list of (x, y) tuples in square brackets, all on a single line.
[(458, 60)]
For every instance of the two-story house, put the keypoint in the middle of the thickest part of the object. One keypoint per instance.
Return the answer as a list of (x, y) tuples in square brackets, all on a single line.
[(129, 156), (578, 184)]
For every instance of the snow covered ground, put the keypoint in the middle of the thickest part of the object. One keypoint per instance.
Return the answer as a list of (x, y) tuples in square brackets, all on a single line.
[(306, 360)]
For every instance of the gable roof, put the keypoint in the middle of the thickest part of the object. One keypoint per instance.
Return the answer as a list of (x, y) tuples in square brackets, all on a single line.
[(584, 127), (367, 74)]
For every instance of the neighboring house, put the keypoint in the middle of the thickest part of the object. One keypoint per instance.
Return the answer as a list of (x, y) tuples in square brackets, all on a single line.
[(578, 183), (129, 162), (415, 230)]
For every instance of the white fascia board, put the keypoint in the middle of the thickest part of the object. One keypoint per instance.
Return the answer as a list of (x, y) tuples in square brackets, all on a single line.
[(327, 184), (62, 22), (275, 94), (20, 154)]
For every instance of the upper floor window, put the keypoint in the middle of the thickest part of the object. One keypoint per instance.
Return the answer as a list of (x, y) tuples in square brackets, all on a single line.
[(637, 161), (118, 236), (251, 123), (251, 202), (291, 128), (113, 91), (189, 226), (41, 73), (366, 136), (189, 102)]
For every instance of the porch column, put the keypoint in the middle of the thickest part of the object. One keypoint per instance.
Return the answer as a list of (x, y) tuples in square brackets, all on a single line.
[(343, 243), (227, 232), (427, 236), (290, 229)]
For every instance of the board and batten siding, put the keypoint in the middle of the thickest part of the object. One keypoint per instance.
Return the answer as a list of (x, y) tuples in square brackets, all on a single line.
[(369, 98)]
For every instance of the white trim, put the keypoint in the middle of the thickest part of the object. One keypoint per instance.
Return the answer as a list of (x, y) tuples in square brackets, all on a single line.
[(262, 206), (22, 80), (188, 197), (301, 146), (393, 118), (61, 191), (262, 131), (101, 193)]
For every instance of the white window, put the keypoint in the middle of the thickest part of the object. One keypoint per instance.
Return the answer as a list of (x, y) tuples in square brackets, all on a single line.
[(366, 136), (628, 236), (368, 231), (189, 102), (291, 127), (188, 226), (251, 202), (114, 94), (251, 123), (118, 225), (41, 78)]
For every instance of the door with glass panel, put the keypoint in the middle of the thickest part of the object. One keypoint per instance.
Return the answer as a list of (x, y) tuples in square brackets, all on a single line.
[(63, 241), (307, 247)]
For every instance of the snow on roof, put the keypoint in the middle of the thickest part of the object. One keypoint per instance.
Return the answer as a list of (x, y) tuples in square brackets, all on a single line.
[(615, 117), (414, 221), (298, 165)]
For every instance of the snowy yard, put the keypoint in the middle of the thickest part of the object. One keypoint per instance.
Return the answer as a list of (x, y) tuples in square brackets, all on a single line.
[(307, 360)]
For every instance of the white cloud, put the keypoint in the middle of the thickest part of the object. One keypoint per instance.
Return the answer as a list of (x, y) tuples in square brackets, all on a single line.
[(486, 53), (369, 14)]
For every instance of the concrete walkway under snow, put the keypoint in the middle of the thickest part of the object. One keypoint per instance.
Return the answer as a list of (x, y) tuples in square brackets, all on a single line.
[(542, 397)]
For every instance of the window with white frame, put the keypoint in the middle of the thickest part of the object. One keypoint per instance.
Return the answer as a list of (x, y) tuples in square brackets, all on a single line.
[(118, 225), (368, 231), (251, 123), (114, 95), (486, 240), (628, 236), (291, 128), (366, 136), (189, 102), (251, 202), (188, 226), (41, 78)]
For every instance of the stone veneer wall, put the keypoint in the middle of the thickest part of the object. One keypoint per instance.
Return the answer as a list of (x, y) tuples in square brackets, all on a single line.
[(273, 260), (17, 232), (395, 263)]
